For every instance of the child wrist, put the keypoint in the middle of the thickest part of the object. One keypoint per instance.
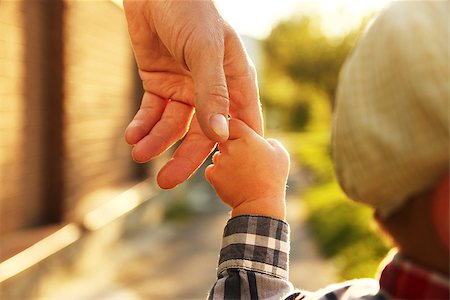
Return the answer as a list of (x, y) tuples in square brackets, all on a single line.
[(274, 208), (280, 215)]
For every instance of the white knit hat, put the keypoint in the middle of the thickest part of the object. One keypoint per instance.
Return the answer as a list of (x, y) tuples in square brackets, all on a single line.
[(391, 122)]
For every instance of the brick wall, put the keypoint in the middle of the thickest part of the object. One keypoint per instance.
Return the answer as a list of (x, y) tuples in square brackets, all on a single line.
[(98, 96), (20, 142)]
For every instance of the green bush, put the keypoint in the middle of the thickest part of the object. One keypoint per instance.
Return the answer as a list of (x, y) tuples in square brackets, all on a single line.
[(344, 230), (299, 116), (178, 211), (299, 78)]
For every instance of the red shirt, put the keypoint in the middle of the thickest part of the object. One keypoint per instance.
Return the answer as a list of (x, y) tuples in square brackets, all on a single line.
[(402, 279)]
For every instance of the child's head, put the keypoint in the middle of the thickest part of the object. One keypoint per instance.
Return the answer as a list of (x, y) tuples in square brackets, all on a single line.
[(420, 228), (391, 124)]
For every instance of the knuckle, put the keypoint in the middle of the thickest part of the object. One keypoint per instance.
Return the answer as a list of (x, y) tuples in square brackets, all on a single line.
[(220, 93), (201, 44)]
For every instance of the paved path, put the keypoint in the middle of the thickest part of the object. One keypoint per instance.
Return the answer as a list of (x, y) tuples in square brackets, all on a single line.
[(178, 261)]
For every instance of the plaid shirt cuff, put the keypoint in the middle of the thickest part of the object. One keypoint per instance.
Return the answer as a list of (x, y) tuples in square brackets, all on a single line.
[(255, 243)]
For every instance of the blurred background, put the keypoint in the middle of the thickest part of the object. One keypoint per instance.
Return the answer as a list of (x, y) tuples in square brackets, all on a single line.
[(80, 220)]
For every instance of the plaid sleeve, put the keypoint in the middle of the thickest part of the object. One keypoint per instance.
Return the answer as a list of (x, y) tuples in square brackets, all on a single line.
[(256, 243), (253, 262)]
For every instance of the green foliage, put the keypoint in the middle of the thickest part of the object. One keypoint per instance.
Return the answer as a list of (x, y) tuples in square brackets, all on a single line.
[(298, 50), (309, 110), (178, 210), (344, 230), (300, 116), (301, 67), (311, 150)]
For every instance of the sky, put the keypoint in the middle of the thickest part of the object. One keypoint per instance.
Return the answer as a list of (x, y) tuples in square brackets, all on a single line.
[(256, 18)]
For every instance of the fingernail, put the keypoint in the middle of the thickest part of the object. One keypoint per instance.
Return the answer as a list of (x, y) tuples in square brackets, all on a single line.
[(219, 125), (135, 123)]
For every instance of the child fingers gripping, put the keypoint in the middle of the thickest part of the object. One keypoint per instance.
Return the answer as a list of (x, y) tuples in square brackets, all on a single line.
[(249, 173)]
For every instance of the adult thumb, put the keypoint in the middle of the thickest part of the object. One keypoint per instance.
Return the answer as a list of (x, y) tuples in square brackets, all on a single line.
[(212, 99)]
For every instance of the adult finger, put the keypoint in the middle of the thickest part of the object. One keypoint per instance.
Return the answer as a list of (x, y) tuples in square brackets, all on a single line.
[(205, 61), (189, 156), (150, 112), (172, 127), (245, 104), (169, 85), (212, 104), (242, 82)]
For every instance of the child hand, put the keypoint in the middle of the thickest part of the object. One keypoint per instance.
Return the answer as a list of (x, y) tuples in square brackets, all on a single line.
[(249, 173)]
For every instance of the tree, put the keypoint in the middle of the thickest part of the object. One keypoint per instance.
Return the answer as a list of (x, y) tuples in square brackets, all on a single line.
[(301, 64)]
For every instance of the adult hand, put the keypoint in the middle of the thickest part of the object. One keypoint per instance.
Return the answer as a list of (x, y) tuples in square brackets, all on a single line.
[(187, 56)]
